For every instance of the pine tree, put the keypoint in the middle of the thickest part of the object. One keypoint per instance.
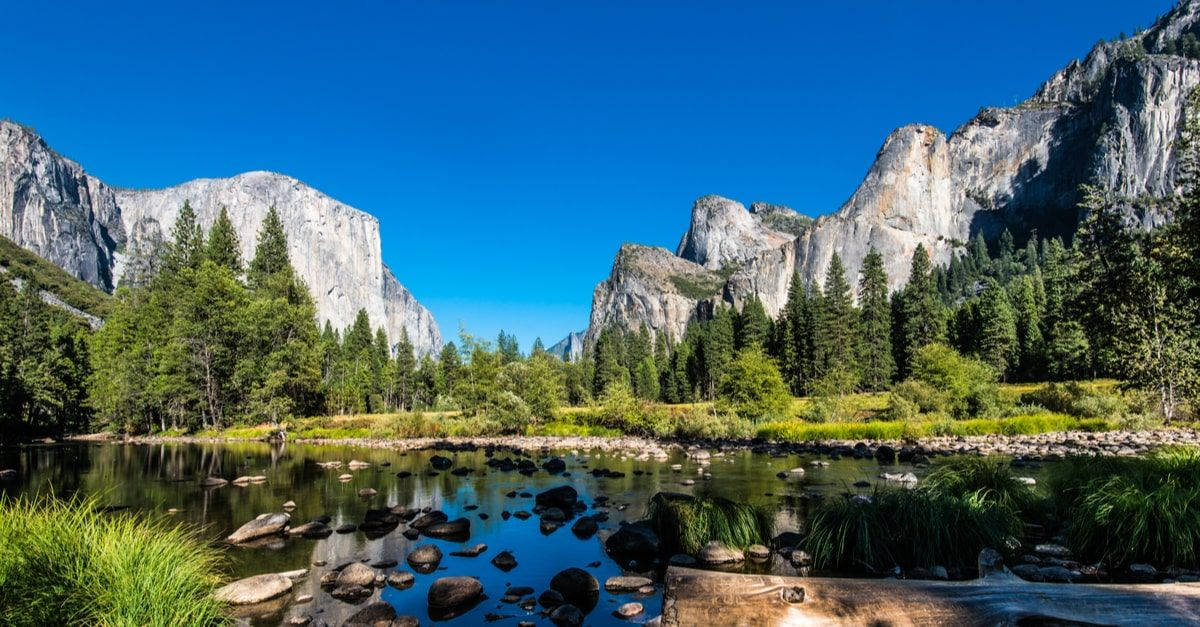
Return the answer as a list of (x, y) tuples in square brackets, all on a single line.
[(507, 348), (186, 248), (875, 325), (1030, 345), (538, 347), (271, 253), (223, 247), (924, 322), (753, 325), (837, 331), (997, 344), (718, 348), (404, 372)]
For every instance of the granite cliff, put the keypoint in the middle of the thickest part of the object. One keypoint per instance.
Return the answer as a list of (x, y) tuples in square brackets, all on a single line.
[(52, 207), (1110, 120)]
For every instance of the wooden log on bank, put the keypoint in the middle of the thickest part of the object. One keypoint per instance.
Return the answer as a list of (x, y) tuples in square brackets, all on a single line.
[(700, 597)]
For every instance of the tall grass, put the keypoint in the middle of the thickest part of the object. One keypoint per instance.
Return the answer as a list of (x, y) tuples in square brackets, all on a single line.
[(1031, 424), (68, 563), (685, 523), (986, 478), (1126, 510), (897, 527)]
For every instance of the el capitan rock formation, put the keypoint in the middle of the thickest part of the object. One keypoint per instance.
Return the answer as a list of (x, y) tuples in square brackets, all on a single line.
[(52, 207)]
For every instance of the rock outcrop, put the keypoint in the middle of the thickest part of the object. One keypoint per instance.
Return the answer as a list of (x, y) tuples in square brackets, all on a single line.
[(1109, 120), (52, 207), (569, 348)]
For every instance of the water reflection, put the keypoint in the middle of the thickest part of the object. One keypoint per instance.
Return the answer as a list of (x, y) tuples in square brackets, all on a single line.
[(162, 477)]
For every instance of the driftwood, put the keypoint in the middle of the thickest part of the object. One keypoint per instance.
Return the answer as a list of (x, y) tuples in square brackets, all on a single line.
[(699, 597)]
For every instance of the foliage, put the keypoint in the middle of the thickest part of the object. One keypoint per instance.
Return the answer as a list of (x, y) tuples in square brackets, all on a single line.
[(986, 478), (70, 563), (1077, 400), (753, 388), (1031, 424), (687, 523), (907, 528), (1126, 510), (44, 366), (966, 387), (21, 263)]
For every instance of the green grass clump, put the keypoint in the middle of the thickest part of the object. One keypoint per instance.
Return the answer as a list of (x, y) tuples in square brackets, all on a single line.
[(68, 563), (560, 428), (686, 523), (986, 478), (907, 528), (1133, 509)]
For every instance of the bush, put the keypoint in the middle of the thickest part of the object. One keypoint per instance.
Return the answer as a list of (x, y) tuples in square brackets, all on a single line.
[(700, 424), (66, 562), (968, 386), (686, 523), (920, 394), (753, 388), (900, 409), (510, 412), (907, 528), (1077, 400), (1123, 510), (985, 478)]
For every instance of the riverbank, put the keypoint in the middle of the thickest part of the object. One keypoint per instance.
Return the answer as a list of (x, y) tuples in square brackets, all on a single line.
[(1035, 447)]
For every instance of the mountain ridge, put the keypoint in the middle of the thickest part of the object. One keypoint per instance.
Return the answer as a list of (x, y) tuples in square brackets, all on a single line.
[(51, 206), (1110, 119)]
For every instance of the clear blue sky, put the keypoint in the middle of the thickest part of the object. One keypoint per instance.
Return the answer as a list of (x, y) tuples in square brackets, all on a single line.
[(509, 148)]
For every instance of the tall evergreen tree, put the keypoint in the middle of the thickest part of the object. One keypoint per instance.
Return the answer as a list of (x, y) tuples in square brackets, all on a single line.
[(271, 253), (997, 345), (223, 247), (186, 248), (837, 332), (875, 325), (923, 320), (753, 325)]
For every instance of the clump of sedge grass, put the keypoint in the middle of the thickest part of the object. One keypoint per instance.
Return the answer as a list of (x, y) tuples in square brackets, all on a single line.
[(69, 563), (686, 523), (1133, 509), (907, 528), (986, 478)]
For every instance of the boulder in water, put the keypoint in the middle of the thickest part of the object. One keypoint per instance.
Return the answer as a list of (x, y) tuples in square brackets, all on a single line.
[(264, 525), (256, 589)]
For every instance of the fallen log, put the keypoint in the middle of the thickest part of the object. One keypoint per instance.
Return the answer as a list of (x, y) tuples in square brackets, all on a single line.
[(699, 597)]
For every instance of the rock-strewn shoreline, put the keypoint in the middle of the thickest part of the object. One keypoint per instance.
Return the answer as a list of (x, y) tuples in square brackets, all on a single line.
[(1041, 447)]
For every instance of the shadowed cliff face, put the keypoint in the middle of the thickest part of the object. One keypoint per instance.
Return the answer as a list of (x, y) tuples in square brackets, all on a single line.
[(50, 206), (1109, 120)]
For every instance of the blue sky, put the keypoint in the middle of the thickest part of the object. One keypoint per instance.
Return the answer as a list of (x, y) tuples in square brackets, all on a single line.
[(508, 149)]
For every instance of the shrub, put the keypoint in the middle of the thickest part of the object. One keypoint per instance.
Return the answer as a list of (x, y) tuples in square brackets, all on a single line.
[(907, 528), (921, 394), (1077, 400), (752, 387), (66, 562), (510, 412), (900, 409), (986, 478), (967, 385), (700, 424), (1126, 510), (686, 523)]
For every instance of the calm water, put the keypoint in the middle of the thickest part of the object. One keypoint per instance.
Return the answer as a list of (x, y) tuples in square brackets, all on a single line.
[(155, 478)]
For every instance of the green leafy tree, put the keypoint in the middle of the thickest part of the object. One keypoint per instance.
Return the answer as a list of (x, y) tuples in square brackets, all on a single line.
[(752, 387)]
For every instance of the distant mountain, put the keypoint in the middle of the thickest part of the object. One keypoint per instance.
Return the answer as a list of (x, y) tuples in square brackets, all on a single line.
[(52, 207), (1109, 120), (569, 348)]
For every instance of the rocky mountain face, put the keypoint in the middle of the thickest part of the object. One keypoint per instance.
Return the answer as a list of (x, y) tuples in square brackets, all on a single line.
[(51, 206), (1109, 120), (569, 348)]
